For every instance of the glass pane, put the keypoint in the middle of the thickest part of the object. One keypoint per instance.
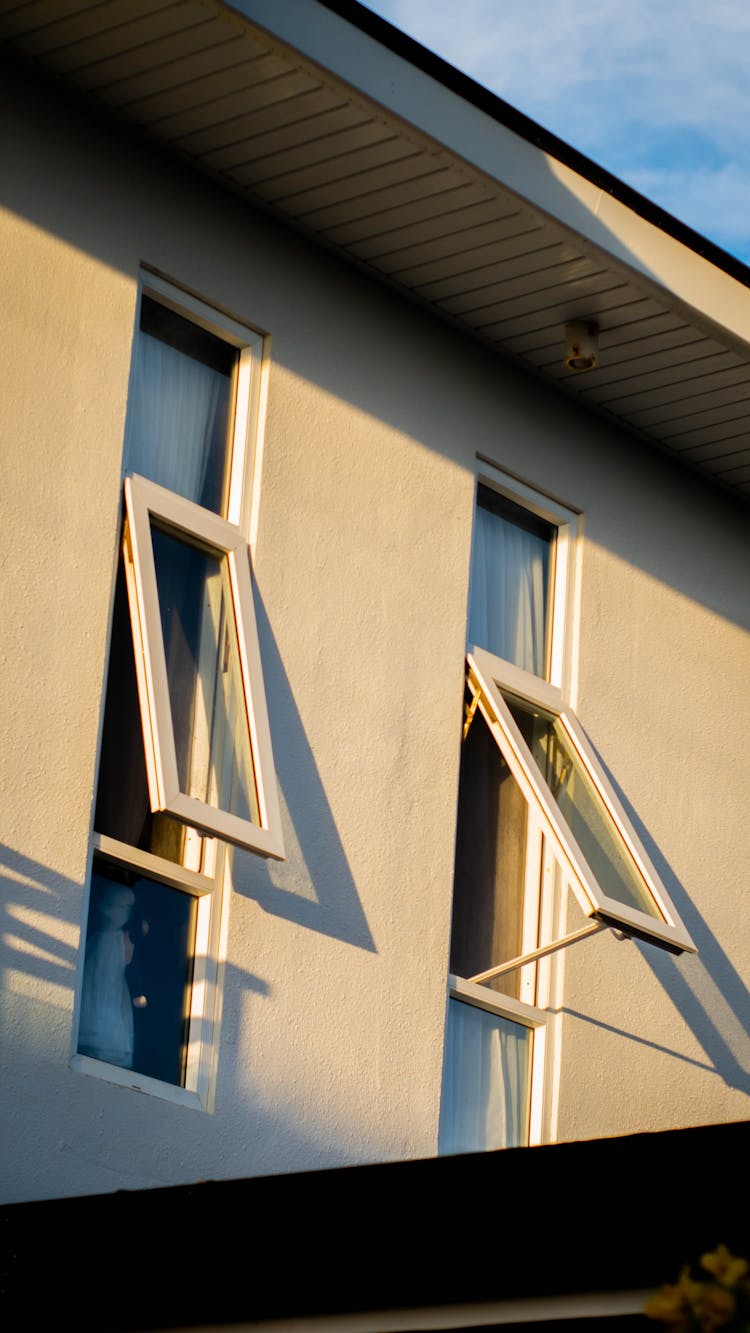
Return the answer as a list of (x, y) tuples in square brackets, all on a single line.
[(486, 1081), (510, 579), (138, 973), (123, 808), (488, 888), (180, 406), (207, 696), (582, 807)]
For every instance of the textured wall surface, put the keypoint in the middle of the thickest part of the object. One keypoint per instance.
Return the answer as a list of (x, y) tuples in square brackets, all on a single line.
[(334, 993)]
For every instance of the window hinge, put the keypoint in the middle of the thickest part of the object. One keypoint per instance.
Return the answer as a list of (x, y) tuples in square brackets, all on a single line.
[(469, 711)]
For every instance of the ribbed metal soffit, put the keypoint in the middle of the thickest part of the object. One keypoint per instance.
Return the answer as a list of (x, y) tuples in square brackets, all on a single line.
[(264, 121)]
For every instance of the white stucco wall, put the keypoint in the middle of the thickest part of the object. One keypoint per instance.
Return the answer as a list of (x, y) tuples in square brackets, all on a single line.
[(334, 996)]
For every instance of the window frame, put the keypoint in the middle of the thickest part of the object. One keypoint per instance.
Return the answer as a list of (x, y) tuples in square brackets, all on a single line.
[(197, 1091), (562, 618), (554, 861), (250, 391), (145, 500), (204, 871), (537, 980), (487, 676), (526, 1016)]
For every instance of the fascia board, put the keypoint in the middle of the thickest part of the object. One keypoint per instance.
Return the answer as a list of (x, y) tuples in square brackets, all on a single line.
[(442, 115)]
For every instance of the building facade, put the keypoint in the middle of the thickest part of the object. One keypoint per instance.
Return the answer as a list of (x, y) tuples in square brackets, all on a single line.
[(257, 504)]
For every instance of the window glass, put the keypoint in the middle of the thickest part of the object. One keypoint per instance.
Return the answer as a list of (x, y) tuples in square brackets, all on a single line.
[(581, 807), (137, 978), (179, 419), (486, 1081), (185, 728), (509, 613), (209, 713), (180, 407), (490, 863), (123, 808)]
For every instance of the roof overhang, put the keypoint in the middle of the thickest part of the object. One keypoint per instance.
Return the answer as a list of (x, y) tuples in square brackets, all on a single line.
[(328, 117), (481, 1240)]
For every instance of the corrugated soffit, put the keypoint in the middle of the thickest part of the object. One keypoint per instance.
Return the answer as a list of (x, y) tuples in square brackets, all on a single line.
[(241, 107)]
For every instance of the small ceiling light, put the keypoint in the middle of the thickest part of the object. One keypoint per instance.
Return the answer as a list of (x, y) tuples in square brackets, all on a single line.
[(581, 345)]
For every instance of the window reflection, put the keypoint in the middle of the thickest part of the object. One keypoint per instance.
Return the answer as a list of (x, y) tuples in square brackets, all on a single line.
[(207, 695), (491, 840), (581, 806)]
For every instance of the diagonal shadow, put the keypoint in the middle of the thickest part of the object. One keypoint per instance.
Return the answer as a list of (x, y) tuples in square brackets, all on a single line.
[(657, 1046), (707, 991), (34, 898), (326, 899)]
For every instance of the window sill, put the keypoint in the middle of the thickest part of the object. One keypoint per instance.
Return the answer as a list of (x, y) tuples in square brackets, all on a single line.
[(129, 1078)]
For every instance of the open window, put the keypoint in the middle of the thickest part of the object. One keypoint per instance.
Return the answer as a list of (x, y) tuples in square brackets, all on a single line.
[(185, 764), (554, 766), (536, 816), (205, 728), (496, 1027)]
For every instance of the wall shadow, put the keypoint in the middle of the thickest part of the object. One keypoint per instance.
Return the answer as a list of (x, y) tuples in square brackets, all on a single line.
[(95, 221), (40, 908), (328, 902), (39, 961), (36, 909), (708, 991), (53, 199)]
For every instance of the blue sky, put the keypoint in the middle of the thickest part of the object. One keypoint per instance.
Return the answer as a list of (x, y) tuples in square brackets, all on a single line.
[(656, 91)]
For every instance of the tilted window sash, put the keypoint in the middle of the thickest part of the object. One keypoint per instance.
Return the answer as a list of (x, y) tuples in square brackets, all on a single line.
[(506, 695), (205, 727)]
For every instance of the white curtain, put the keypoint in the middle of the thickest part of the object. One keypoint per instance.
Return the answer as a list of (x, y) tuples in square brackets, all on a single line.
[(106, 1024), (177, 426), (507, 613), (485, 1100)]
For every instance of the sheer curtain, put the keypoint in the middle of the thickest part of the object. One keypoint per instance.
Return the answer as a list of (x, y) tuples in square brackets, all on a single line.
[(508, 606), (176, 436), (178, 425), (487, 1071), (485, 1101), (490, 865)]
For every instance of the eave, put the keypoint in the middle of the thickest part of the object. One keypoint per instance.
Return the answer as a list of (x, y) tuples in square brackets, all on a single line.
[(326, 116), (567, 1232)]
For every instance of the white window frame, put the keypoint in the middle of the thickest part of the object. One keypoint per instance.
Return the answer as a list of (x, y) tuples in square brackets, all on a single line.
[(204, 872), (145, 500), (554, 860), (487, 677), (564, 572), (208, 974), (537, 980), (526, 1016), (250, 393)]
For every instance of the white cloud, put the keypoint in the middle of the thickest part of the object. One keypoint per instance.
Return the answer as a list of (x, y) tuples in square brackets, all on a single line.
[(656, 92)]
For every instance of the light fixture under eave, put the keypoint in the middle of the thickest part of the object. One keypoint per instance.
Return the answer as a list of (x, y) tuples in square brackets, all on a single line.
[(581, 345)]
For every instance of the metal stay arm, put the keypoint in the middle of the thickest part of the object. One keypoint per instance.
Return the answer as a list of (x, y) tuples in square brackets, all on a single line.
[(542, 952)]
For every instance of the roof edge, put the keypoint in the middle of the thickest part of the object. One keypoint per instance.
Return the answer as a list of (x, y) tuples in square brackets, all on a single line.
[(409, 49), (349, 1234)]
